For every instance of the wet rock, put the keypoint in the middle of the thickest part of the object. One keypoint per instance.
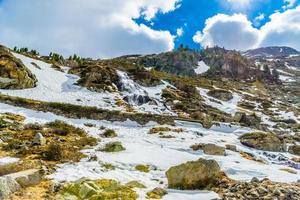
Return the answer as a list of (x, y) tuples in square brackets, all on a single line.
[(136, 99), (198, 174), (7, 186), (263, 141), (39, 139)]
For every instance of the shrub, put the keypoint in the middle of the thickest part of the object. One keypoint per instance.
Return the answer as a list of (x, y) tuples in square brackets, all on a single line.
[(63, 129), (109, 133), (113, 147), (143, 168), (54, 152)]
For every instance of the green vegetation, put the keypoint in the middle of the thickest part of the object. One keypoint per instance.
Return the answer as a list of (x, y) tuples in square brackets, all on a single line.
[(143, 168), (113, 147)]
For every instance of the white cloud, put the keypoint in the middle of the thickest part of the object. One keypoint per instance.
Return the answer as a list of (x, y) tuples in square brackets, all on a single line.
[(237, 32), (260, 17), (289, 3), (179, 32), (232, 32), (98, 28), (239, 4)]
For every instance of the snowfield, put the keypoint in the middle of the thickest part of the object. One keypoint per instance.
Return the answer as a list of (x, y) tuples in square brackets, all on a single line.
[(201, 68), (229, 107), (160, 154), (57, 86)]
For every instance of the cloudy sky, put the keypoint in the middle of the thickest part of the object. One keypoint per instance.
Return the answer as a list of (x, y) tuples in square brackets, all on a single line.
[(109, 28)]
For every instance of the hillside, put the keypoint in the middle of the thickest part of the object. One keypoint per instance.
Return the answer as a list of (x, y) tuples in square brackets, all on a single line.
[(184, 124)]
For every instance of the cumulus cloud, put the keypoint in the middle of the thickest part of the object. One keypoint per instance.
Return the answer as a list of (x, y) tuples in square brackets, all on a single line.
[(97, 28), (232, 32), (237, 32), (179, 32)]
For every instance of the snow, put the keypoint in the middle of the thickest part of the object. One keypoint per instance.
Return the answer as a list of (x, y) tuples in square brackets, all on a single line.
[(57, 86), (286, 78), (229, 107), (8, 160), (201, 68), (160, 154)]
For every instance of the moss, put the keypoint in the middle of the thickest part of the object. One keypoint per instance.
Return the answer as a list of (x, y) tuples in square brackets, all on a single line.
[(109, 133), (156, 193), (103, 189), (143, 168), (135, 184), (113, 147), (108, 166), (62, 128)]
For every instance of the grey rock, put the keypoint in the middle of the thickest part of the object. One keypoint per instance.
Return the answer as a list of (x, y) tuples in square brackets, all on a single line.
[(39, 139), (7, 186)]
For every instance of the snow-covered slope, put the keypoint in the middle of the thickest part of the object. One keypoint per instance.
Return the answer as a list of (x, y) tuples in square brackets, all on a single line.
[(201, 68), (57, 86)]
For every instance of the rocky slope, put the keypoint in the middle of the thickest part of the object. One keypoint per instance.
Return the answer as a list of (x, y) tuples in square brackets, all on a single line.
[(116, 129), (13, 73)]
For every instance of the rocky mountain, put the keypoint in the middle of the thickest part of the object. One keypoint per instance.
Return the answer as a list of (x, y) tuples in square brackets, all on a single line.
[(271, 52), (184, 124)]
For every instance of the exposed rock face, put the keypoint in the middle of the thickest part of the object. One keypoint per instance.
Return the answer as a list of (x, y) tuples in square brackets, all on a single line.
[(198, 174), (295, 149), (223, 95), (39, 139), (13, 73), (7, 186), (263, 141)]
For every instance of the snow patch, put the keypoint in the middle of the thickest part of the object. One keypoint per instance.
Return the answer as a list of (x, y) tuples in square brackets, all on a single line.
[(201, 68)]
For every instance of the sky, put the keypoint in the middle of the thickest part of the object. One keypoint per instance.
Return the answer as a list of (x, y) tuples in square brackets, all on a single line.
[(106, 28)]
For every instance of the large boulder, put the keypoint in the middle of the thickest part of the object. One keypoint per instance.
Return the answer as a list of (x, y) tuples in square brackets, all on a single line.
[(27, 178), (263, 141), (198, 174), (13, 73), (223, 95), (7, 186)]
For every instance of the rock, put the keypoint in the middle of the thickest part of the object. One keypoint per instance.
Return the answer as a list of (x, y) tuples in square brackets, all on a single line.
[(156, 193), (263, 141), (27, 178), (135, 184), (212, 149), (136, 99), (295, 149), (254, 180), (14, 74), (223, 95), (7, 186), (198, 174), (39, 139), (248, 120), (98, 189), (231, 147)]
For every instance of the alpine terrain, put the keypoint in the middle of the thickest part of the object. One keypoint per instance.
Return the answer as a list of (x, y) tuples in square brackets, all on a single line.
[(179, 125)]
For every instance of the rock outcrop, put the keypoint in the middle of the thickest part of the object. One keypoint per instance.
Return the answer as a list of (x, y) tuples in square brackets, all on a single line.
[(13, 73), (198, 174), (263, 141), (223, 95)]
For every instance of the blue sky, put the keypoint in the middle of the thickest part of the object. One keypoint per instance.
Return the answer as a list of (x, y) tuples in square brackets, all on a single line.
[(191, 15), (105, 28)]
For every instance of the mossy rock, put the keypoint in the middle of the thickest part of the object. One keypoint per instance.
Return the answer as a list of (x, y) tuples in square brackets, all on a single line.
[(135, 184), (156, 193), (143, 168), (113, 147), (200, 174), (13, 73), (263, 141), (103, 189), (109, 133), (212, 149)]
